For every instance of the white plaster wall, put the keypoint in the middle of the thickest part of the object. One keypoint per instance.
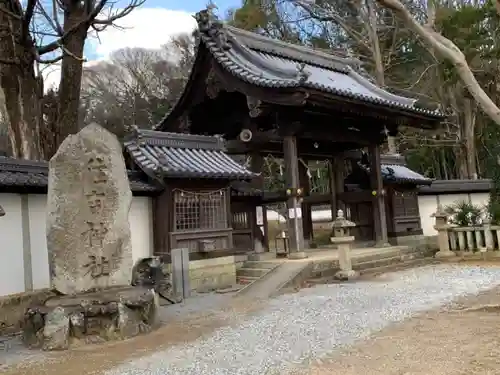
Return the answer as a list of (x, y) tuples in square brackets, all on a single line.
[(427, 205), (480, 199), (141, 225), (11, 254), (12, 278), (450, 199), (37, 205)]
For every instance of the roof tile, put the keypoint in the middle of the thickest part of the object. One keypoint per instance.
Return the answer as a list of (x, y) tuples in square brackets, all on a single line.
[(176, 155), (23, 174), (266, 62)]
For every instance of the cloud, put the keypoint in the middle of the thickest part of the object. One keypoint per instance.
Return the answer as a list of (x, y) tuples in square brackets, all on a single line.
[(143, 27)]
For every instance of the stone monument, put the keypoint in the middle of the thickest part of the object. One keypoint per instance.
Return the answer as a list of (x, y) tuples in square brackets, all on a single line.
[(88, 239), (89, 199)]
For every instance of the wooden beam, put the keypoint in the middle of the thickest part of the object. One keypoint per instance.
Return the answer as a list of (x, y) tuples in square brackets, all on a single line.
[(308, 149)]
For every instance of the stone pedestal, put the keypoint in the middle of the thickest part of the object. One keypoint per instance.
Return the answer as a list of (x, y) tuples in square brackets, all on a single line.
[(342, 238), (442, 226), (113, 314)]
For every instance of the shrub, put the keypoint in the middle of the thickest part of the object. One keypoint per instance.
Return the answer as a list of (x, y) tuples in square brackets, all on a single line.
[(464, 214)]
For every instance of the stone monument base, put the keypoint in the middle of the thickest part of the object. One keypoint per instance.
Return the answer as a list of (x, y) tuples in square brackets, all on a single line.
[(111, 314)]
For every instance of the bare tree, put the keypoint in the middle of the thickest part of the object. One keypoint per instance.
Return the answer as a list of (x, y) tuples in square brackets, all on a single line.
[(24, 26), (137, 85), (447, 50)]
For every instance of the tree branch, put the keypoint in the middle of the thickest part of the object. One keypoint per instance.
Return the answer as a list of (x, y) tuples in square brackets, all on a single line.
[(332, 17), (125, 11), (18, 17), (88, 19), (28, 16), (449, 51)]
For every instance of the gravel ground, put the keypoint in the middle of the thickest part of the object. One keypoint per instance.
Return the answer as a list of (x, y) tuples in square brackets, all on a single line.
[(197, 303), (297, 329), (12, 352)]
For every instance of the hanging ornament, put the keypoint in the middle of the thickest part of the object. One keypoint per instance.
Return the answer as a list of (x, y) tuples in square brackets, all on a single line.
[(281, 170)]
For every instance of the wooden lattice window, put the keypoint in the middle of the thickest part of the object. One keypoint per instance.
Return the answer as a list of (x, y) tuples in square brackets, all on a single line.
[(200, 210), (240, 220), (405, 204)]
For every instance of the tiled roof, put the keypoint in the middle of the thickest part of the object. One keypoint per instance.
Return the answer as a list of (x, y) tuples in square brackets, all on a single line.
[(33, 175), (271, 63), (175, 155), (399, 174)]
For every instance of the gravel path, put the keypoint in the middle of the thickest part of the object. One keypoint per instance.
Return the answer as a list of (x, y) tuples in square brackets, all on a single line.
[(295, 329)]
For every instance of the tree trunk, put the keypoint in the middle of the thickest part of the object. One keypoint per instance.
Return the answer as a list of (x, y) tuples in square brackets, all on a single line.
[(71, 73), (379, 64), (469, 138), (20, 88)]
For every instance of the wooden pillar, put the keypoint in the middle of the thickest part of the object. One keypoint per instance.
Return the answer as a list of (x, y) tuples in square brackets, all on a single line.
[(260, 229), (379, 216), (295, 230), (336, 179), (307, 223), (162, 222)]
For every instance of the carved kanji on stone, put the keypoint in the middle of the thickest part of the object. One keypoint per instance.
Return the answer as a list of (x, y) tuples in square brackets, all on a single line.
[(89, 197)]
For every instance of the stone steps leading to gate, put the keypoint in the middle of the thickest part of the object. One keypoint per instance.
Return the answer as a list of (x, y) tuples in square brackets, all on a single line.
[(253, 270), (381, 269)]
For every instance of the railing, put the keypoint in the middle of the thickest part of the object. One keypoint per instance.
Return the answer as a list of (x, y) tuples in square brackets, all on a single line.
[(454, 240), (477, 238)]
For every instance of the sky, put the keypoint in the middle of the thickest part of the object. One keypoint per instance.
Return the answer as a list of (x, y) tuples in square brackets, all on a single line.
[(150, 26)]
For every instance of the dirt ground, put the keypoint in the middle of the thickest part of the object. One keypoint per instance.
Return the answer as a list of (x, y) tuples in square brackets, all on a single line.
[(462, 341)]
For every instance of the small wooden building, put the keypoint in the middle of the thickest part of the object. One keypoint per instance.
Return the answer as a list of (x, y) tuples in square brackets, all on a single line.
[(193, 209), (401, 198)]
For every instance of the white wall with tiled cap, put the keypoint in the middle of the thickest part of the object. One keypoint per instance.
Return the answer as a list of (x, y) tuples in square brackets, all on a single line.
[(11, 238), (427, 205), (24, 260)]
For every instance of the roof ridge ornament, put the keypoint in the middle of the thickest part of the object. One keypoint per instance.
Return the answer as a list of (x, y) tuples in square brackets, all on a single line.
[(302, 74), (209, 24)]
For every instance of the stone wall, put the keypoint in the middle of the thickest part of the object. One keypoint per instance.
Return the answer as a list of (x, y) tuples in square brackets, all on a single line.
[(12, 308), (210, 274)]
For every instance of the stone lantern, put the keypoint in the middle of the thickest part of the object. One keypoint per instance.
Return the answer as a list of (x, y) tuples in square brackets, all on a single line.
[(442, 226), (343, 239)]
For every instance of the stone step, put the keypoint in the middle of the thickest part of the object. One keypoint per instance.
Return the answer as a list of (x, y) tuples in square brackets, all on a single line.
[(374, 271), (261, 256), (246, 279), (260, 264), (399, 266), (253, 272), (375, 257), (374, 263)]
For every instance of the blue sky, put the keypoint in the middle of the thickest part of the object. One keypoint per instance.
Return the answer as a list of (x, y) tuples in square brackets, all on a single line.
[(150, 26), (153, 23), (192, 5)]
